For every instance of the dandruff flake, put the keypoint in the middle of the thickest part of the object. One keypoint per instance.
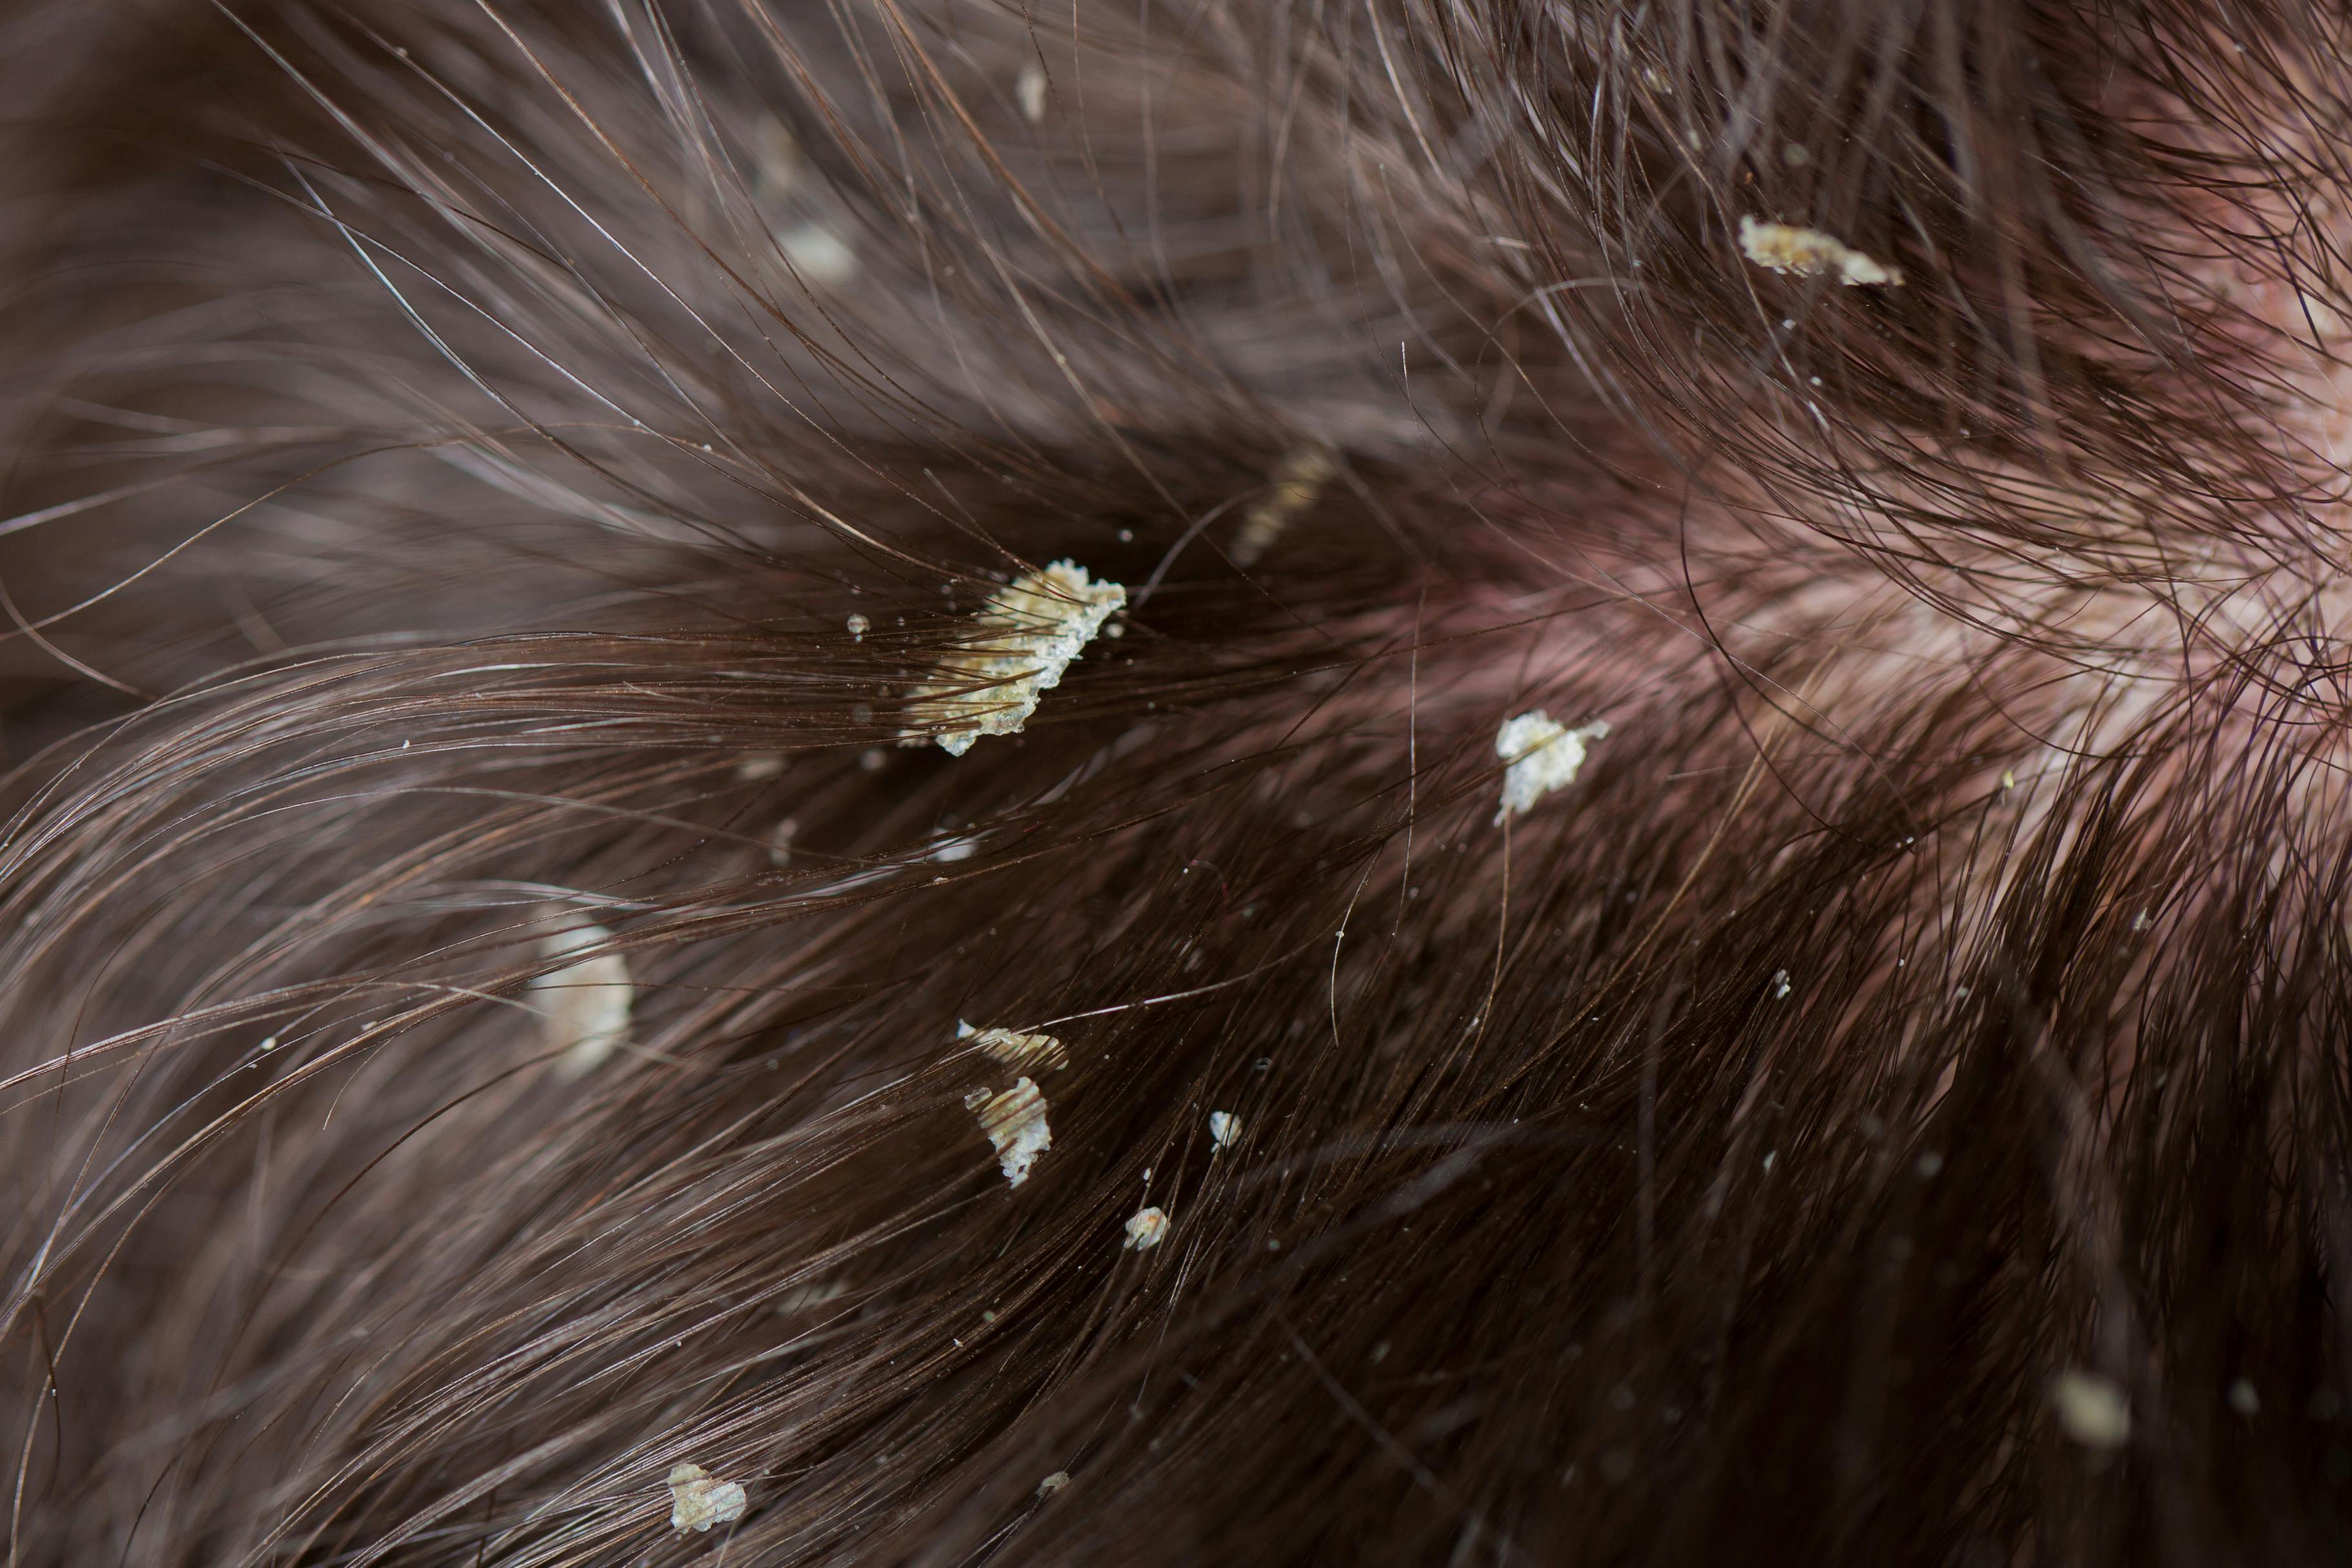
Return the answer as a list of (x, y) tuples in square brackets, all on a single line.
[(1291, 488), (1014, 1121), (2091, 1410), (1543, 756), (1809, 253), (1223, 1127), (1144, 1229), (1020, 643), (1024, 1053), (583, 1007), (698, 1502), (1029, 88)]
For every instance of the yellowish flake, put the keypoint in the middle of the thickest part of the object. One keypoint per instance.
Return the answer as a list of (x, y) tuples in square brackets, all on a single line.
[(1014, 1121), (1291, 488), (698, 1502), (1809, 253), (1026, 1053), (1020, 642), (1144, 1229)]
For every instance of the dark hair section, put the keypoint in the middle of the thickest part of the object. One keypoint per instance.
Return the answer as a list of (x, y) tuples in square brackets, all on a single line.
[(501, 498)]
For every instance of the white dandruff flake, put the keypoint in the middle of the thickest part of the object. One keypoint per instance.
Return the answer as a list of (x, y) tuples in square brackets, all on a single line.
[(1029, 88), (698, 1502), (1014, 1121), (1543, 757), (759, 765), (1024, 1053), (583, 1008), (2091, 1410), (808, 1297), (1053, 1483), (858, 626), (817, 254), (1144, 1230), (1223, 1127), (1779, 985), (1291, 488), (1020, 642), (1809, 253)]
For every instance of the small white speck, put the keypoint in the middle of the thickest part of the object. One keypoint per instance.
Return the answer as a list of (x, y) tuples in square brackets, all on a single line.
[(1779, 985), (1223, 1127), (2243, 1399), (2142, 921), (698, 1502), (1770, 1157), (1053, 1483), (780, 842), (858, 626), (2091, 1410), (1144, 1229), (1929, 1164), (873, 759), (1029, 88), (2008, 779)]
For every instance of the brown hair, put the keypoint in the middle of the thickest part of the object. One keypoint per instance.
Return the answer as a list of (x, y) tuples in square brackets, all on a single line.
[(500, 981)]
